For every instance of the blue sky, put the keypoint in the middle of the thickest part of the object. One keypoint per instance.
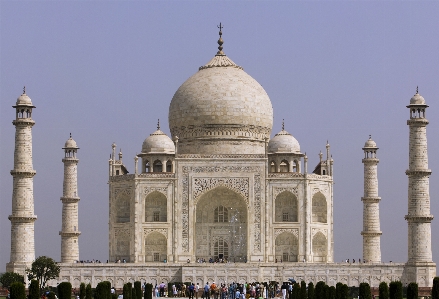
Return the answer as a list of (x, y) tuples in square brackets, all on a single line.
[(105, 71)]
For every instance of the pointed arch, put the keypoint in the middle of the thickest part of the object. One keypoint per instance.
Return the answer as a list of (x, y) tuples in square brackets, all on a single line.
[(156, 207), (123, 208), (286, 247), (156, 246), (285, 207), (319, 208), (157, 166), (284, 166), (273, 166), (319, 247)]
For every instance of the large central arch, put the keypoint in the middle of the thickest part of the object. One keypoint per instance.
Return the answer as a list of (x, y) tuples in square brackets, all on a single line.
[(221, 228)]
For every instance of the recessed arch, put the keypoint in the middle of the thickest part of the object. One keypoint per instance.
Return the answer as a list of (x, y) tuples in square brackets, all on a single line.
[(122, 208), (319, 208), (155, 247), (157, 166), (286, 247), (284, 166), (319, 247), (156, 207), (231, 234), (285, 207), (273, 166)]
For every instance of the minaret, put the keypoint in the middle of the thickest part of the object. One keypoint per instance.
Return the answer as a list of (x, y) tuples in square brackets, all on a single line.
[(70, 232), (371, 211), (22, 217), (418, 217)]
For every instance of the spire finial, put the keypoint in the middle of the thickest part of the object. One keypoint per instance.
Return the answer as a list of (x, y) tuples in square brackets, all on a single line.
[(416, 89), (24, 89), (220, 41), (158, 124), (70, 135), (370, 136), (283, 124)]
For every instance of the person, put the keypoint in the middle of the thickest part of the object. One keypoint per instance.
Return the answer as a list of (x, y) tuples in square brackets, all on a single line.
[(206, 291), (237, 294), (191, 291), (174, 290), (197, 289), (213, 290), (162, 289), (284, 290)]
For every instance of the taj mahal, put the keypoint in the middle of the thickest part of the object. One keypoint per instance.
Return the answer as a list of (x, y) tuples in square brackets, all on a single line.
[(219, 188)]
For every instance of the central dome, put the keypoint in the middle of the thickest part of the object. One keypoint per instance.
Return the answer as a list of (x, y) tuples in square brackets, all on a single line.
[(221, 110)]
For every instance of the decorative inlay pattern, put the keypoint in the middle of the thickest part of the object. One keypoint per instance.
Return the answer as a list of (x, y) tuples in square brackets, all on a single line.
[(202, 185), (257, 213), (227, 156), (277, 191), (163, 231), (121, 232), (148, 190), (294, 231), (314, 231)]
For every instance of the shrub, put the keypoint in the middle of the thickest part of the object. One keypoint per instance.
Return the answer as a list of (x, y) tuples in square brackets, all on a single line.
[(320, 290), (148, 291), (331, 292), (127, 290), (412, 290), (311, 290), (435, 288), (64, 290), (34, 290), (88, 292), (103, 290), (344, 292), (303, 290), (170, 290), (295, 293), (364, 291), (17, 291), (51, 295), (7, 278), (138, 288), (383, 290), (82, 291), (395, 290)]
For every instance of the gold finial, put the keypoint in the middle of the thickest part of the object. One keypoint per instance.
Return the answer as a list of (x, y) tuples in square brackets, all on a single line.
[(158, 124), (70, 135), (220, 41), (283, 124), (416, 89), (24, 89)]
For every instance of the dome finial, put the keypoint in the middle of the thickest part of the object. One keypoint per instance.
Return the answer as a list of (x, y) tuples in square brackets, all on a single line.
[(158, 124), (220, 41), (283, 124), (417, 90), (24, 89), (70, 135), (370, 136)]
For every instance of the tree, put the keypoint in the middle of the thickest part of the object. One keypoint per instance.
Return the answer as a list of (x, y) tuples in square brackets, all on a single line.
[(64, 290), (344, 292), (43, 269), (364, 291), (435, 288), (82, 291), (395, 290), (88, 292), (295, 293), (138, 288), (7, 278), (412, 290), (148, 291), (103, 290), (331, 294), (34, 290), (383, 290), (338, 289), (127, 291), (303, 290), (17, 291), (311, 292)]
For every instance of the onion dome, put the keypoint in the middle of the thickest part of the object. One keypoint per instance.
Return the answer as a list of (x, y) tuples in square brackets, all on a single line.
[(221, 110), (70, 143), (370, 143), (417, 99), (24, 100), (158, 143), (283, 142)]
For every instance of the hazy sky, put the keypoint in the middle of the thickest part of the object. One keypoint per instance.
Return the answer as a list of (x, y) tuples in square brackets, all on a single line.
[(105, 71)]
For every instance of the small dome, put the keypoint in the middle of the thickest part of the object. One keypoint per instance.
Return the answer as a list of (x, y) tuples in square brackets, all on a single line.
[(158, 142), (24, 100), (417, 99), (70, 143), (283, 142), (370, 143)]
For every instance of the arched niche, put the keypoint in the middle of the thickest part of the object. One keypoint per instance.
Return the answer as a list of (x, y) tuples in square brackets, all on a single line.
[(319, 208), (155, 247), (319, 247), (221, 226), (285, 207), (286, 247), (122, 208), (156, 207)]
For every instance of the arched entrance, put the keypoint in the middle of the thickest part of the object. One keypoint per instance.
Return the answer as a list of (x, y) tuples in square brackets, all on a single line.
[(221, 226)]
